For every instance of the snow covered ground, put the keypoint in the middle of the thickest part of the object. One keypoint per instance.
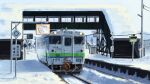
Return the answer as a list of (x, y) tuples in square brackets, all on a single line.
[(100, 78), (71, 80), (29, 71)]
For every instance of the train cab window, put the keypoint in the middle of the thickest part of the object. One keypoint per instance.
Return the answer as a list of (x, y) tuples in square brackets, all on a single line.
[(55, 39), (67, 41), (78, 40)]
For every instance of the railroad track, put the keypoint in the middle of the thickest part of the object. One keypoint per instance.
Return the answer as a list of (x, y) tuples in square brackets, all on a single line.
[(108, 73), (84, 80), (73, 79)]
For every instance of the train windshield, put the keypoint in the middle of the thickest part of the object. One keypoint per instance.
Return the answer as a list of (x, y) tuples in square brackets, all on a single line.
[(55, 40), (67, 41), (78, 40)]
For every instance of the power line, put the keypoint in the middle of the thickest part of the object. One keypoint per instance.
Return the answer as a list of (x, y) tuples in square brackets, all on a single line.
[(146, 34), (147, 6), (146, 9)]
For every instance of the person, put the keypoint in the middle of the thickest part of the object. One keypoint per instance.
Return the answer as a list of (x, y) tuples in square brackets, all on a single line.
[(29, 45), (34, 44), (24, 45)]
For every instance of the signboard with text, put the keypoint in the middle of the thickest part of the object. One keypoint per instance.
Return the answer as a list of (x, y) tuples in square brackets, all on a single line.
[(42, 29)]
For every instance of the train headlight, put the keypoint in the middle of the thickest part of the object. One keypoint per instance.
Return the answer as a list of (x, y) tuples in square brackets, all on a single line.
[(53, 32), (81, 50), (81, 33)]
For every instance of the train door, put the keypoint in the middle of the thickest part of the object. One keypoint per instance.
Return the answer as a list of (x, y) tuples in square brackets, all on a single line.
[(68, 48), (67, 45)]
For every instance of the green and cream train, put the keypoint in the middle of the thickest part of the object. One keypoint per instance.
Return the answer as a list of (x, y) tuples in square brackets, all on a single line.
[(62, 51)]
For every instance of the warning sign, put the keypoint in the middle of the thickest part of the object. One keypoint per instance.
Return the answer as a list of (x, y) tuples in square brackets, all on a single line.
[(16, 33)]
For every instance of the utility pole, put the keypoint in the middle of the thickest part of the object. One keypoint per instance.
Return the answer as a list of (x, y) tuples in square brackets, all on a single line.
[(143, 7), (142, 46)]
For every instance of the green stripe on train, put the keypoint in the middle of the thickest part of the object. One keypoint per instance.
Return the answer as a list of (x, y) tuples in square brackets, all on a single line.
[(66, 54)]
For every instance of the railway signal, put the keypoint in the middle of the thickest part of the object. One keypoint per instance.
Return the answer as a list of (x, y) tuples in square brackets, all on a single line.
[(132, 39)]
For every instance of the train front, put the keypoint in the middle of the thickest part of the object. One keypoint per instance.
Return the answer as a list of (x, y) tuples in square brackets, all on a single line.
[(66, 51)]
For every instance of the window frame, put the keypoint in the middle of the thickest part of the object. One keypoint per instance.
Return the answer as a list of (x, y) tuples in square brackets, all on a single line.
[(53, 19), (51, 40), (79, 43), (66, 40), (40, 18)]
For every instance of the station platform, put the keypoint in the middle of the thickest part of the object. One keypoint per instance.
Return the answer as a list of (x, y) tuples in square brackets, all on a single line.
[(29, 71), (137, 69), (141, 63)]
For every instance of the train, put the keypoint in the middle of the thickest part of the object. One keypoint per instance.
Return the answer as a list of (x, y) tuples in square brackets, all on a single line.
[(62, 50)]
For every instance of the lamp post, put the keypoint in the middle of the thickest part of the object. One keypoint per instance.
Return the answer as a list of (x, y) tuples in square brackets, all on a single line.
[(133, 39)]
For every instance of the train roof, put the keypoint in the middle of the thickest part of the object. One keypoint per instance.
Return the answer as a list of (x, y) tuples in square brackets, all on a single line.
[(66, 33)]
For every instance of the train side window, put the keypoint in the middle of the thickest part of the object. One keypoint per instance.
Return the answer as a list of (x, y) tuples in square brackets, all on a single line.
[(67, 41), (55, 40), (78, 40)]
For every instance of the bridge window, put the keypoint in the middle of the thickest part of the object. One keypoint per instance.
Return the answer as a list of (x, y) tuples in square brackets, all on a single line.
[(80, 19), (66, 19), (92, 19), (53, 19), (28, 19), (40, 19), (55, 40), (97, 18)]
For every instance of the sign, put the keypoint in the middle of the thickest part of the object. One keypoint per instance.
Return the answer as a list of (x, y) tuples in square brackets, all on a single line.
[(16, 52), (16, 33), (133, 38), (29, 36), (42, 29)]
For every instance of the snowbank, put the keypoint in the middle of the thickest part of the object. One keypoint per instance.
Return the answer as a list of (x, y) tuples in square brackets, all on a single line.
[(29, 71)]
